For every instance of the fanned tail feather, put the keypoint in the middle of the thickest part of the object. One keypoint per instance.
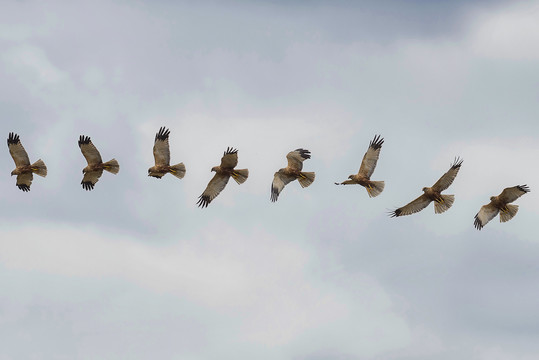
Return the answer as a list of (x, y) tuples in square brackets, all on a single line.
[(375, 188), (508, 212), (39, 168), (112, 166), (444, 204), (306, 178), (178, 170), (240, 175)]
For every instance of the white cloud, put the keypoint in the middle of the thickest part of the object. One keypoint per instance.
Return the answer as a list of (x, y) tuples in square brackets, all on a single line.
[(33, 66), (214, 87), (262, 281), (507, 33)]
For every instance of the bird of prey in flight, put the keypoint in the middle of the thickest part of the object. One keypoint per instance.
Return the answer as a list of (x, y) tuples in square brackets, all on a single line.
[(161, 154), (292, 172), (223, 172), (441, 202), (368, 164), (500, 204), (23, 169)]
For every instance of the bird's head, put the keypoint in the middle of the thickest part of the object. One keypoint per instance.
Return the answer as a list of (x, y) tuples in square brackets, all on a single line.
[(425, 189), (13, 173), (492, 198), (350, 177), (215, 168)]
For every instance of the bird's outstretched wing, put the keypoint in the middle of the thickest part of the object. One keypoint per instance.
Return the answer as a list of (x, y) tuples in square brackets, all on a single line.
[(485, 214), (510, 194), (368, 164), (215, 186), (447, 179), (19, 155), (295, 158), (24, 181), (229, 159), (161, 150), (280, 180), (90, 179), (89, 151), (415, 206)]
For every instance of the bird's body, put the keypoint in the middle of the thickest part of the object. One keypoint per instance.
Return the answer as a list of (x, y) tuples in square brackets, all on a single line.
[(368, 164), (500, 205), (292, 172), (223, 172), (23, 169), (433, 194)]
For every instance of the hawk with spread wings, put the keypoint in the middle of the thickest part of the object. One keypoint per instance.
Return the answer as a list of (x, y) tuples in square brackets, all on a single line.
[(441, 202), (368, 164), (95, 167), (292, 172), (223, 172), (161, 154), (500, 204), (23, 169)]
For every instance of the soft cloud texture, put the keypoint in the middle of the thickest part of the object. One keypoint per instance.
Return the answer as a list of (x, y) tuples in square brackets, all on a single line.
[(135, 270)]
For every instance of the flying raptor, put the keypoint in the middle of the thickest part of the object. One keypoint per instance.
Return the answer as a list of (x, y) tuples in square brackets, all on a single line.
[(23, 169), (441, 202), (95, 167), (368, 164), (161, 154), (292, 172), (223, 172), (500, 204)]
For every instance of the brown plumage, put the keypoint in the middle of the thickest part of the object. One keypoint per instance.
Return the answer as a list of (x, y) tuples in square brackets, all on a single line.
[(441, 202), (161, 154), (95, 167), (368, 164), (500, 204), (292, 172), (223, 172), (23, 169)]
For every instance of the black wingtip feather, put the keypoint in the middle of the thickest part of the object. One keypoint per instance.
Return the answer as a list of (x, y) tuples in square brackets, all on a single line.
[(13, 138), (162, 134), (274, 194), (230, 150), (203, 201), (524, 188), (84, 140), (477, 223), (377, 142), (86, 185), (306, 154), (395, 213), (457, 163), (24, 187)]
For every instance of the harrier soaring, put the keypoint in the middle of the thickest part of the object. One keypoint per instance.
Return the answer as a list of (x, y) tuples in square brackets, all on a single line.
[(222, 173), (161, 154), (500, 204), (95, 167), (441, 202), (368, 164), (23, 169), (292, 172)]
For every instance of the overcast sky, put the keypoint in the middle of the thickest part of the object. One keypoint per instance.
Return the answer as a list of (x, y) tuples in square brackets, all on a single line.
[(135, 270)]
